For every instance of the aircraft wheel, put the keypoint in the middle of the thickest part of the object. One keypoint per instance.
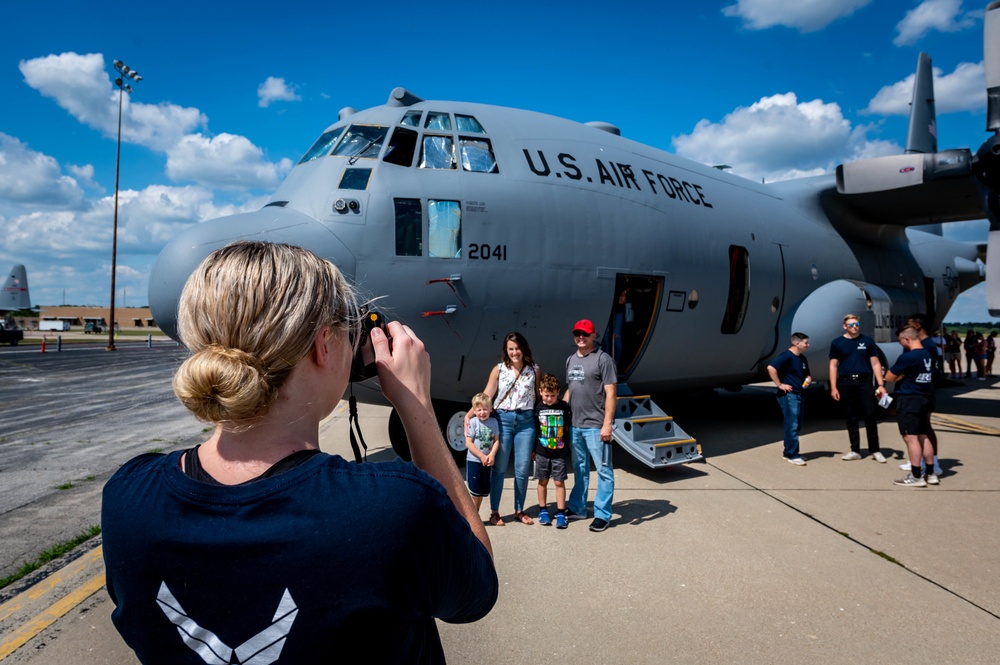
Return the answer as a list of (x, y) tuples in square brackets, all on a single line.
[(451, 419), (397, 437)]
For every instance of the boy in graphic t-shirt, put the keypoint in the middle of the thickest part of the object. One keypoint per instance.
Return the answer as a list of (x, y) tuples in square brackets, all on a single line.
[(552, 450)]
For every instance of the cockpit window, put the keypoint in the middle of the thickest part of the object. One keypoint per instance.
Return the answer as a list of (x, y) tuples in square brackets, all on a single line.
[(409, 227), (411, 119), (439, 121), (322, 145), (361, 141), (477, 155), (444, 228), (402, 147), (438, 153), (355, 179), (466, 123)]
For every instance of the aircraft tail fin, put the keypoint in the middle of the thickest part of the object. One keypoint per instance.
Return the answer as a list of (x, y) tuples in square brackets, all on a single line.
[(15, 290), (921, 136)]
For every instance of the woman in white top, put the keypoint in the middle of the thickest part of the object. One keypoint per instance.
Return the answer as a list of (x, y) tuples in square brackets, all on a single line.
[(513, 388)]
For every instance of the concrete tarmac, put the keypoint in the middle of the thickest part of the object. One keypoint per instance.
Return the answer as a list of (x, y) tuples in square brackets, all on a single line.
[(743, 559)]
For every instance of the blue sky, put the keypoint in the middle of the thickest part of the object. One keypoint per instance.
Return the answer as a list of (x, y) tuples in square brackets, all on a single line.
[(233, 94)]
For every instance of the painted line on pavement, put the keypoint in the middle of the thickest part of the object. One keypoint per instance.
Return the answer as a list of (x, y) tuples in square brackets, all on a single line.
[(55, 611)]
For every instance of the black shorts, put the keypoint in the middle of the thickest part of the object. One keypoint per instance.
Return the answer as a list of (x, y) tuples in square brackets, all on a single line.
[(550, 467), (477, 477), (913, 414)]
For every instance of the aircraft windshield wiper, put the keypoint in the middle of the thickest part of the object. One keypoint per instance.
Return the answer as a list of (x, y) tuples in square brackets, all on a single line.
[(360, 153)]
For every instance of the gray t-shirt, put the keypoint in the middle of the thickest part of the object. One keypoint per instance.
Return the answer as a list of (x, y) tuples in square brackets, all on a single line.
[(585, 380), (482, 433)]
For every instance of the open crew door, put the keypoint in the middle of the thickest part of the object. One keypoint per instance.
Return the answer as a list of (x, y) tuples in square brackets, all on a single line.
[(633, 315)]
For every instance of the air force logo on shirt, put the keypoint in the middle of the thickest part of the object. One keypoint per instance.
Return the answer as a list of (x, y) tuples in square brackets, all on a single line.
[(261, 649), (928, 376), (862, 346)]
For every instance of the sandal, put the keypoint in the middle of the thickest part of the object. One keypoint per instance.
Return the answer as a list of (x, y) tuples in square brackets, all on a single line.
[(495, 519), (523, 516)]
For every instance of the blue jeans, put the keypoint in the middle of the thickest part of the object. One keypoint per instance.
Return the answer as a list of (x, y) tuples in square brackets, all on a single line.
[(517, 434), (791, 409), (586, 445)]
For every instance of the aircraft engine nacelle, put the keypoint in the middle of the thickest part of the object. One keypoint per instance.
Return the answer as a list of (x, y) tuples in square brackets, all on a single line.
[(821, 316), (880, 174)]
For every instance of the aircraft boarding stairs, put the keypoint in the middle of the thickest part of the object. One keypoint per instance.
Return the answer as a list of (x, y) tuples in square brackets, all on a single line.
[(645, 431)]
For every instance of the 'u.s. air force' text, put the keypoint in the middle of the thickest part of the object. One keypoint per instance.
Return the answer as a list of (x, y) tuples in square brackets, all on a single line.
[(616, 174)]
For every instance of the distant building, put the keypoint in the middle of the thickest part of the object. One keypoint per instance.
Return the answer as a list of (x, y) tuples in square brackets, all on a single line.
[(126, 318)]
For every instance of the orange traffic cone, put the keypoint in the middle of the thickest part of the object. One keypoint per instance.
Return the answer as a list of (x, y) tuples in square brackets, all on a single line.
[(43, 345)]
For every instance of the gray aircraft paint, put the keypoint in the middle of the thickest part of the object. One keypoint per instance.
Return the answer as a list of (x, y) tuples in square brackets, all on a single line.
[(15, 295), (573, 206)]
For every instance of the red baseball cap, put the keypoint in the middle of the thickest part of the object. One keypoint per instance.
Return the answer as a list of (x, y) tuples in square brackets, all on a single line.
[(585, 325)]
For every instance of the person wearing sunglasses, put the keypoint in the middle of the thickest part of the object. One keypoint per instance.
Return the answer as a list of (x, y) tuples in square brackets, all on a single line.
[(854, 362)]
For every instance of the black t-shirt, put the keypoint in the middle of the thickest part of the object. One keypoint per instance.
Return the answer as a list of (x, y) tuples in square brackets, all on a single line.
[(853, 355), (554, 429), (792, 369)]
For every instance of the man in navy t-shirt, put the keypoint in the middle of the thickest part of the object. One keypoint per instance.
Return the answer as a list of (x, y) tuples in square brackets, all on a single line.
[(790, 372), (854, 362), (918, 322), (913, 374)]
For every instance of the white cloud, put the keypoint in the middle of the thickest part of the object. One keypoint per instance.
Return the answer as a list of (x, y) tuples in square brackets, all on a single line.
[(81, 85), (962, 90), (157, 213), (84, 175), (73, 247), (225, 160), (940, 15), (64, 237), (147, 218), (28, 177), (778, 138), (275, 90), (802, 15)]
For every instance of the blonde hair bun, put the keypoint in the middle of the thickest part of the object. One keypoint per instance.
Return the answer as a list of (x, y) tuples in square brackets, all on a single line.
[(223, 385)]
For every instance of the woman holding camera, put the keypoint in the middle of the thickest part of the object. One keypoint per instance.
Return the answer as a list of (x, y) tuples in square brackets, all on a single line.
[(255, 543)]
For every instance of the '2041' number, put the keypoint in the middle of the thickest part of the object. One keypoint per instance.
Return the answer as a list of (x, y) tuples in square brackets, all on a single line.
[(487, 252)]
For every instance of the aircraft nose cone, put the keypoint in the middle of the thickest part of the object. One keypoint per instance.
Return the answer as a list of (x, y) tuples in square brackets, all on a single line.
[(181, 256)]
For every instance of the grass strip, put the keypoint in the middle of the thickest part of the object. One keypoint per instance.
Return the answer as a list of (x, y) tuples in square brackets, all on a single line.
[(51, 553)]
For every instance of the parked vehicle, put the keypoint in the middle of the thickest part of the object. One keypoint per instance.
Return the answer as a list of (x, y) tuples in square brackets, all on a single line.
[(93, 327), (53, 325), (10, 335)]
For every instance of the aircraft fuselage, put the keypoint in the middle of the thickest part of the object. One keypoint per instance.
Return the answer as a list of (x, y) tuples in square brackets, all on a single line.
[(521, 221)]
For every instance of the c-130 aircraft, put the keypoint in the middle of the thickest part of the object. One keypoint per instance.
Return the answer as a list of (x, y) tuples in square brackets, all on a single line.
[(474, 220)]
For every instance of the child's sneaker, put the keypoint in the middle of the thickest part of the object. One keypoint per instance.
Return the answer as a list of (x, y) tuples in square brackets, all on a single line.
[(561, 521), (543, 517)]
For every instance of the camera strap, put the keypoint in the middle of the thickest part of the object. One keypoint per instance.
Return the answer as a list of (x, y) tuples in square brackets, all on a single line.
[(355, 425)]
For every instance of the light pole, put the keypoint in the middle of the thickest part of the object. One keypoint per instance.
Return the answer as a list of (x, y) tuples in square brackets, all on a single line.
[(123, 87)]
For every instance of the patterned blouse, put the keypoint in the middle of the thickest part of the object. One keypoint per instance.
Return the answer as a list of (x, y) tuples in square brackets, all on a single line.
[(523, 394)]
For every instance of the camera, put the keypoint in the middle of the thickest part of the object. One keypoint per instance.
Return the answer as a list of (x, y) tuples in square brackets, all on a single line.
[(363, 363)]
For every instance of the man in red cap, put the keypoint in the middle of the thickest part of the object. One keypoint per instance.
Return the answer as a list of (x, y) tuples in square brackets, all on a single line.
[(591, 391)]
